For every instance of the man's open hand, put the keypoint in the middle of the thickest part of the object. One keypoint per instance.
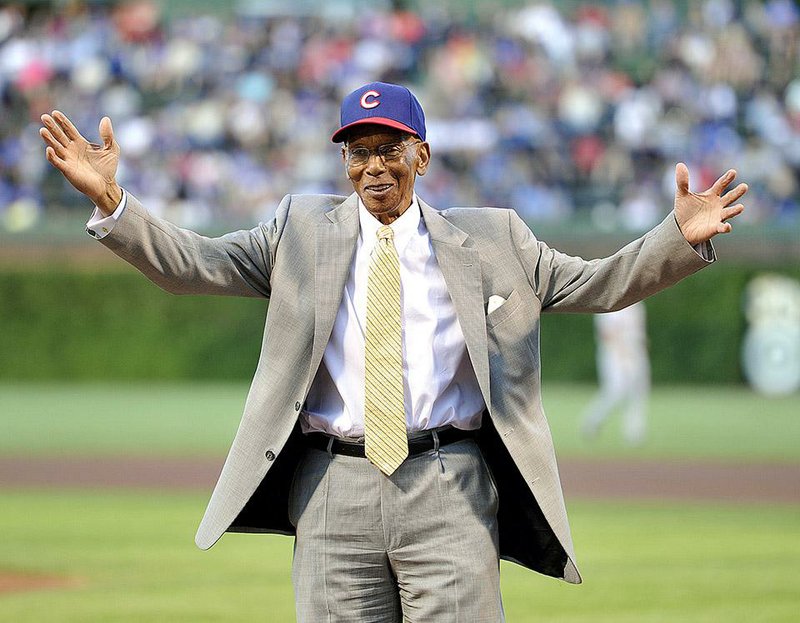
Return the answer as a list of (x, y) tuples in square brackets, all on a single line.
[(701, 216), (89, 167)]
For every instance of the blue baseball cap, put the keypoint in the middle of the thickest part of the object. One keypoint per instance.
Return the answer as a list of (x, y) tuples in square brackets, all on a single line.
[(381, 103)]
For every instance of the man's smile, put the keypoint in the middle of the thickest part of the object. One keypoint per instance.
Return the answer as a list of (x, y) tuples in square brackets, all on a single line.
[(377, 188)]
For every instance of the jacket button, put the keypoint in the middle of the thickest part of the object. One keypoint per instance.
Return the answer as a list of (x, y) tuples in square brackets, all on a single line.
[(270, 455), (297, 406)]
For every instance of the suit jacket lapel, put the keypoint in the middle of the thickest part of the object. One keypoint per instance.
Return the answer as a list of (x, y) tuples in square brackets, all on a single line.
[(461, 268), (335, 244)]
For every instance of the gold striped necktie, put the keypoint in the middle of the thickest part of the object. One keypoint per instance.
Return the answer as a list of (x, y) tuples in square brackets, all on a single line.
[(385, 437)]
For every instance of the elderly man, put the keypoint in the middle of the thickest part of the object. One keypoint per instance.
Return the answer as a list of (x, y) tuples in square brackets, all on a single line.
[(394, 423)]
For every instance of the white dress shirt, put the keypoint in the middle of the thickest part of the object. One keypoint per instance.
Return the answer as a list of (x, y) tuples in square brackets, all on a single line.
[(439, 382)]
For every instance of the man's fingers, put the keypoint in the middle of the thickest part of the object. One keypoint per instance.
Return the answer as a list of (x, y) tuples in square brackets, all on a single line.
[(70, 130), (53, 159), (52, 143), (724, 228), (734, 195), (723, 181), (106, 132), (732, 211), (682, 178), (55, 129)]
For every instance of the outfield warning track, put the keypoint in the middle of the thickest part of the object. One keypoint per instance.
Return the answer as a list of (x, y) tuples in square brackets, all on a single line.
[(596, 479)]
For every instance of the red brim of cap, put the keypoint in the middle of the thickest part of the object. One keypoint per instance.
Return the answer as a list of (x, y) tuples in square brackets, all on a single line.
[(338, 136)]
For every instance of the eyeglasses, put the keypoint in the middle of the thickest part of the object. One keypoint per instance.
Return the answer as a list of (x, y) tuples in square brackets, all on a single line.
[(388, 152)]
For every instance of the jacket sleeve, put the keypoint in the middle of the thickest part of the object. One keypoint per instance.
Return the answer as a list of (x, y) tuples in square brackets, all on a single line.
[(564, 283), (183, 262)]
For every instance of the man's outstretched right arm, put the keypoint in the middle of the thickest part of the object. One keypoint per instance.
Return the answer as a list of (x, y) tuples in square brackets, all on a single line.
[(178, 260)]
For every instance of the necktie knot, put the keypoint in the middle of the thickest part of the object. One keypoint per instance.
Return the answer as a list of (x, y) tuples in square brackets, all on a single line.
[(385, 233)]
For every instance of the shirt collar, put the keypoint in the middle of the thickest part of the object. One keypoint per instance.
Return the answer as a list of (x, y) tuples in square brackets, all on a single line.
[(403, 227)]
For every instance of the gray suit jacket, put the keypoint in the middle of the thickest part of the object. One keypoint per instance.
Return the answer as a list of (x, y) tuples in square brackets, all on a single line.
[(300, 261)]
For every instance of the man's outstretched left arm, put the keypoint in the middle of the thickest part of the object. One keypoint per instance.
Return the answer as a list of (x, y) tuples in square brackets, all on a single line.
[(676, 248)]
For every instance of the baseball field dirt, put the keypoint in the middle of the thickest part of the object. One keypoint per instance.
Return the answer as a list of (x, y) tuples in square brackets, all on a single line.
[(582, 478), (12, 582)]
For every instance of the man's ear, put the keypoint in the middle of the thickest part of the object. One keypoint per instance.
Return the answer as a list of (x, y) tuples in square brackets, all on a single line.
[(423, 158), (344, 162)]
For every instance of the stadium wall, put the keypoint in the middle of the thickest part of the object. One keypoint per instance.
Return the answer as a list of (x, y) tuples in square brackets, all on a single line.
[(70, 324)]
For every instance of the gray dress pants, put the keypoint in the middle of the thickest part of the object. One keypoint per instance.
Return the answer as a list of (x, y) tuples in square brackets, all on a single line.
[(420, 546)]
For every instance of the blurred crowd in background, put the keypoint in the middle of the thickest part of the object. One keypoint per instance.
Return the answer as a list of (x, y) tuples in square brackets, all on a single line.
[(556, 112)]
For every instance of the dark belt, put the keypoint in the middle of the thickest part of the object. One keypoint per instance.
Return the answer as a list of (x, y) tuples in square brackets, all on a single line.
[(419, 443)]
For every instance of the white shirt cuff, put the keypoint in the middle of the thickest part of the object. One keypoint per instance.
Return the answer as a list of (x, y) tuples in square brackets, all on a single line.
[(703, 249), (99, 226)]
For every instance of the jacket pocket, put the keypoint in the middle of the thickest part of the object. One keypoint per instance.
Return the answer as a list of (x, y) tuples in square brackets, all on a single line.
[(505, 310)]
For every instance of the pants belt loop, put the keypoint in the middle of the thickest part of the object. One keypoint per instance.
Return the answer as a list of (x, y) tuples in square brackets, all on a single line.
[(330, 447)]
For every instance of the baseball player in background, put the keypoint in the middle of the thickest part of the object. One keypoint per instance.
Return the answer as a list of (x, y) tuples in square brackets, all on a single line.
[(623, 370)]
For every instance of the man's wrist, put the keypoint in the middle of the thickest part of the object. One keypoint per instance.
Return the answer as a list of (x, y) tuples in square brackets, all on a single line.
[(108, 202)]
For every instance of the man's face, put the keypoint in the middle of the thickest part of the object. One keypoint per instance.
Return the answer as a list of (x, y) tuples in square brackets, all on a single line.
[(385, 184)]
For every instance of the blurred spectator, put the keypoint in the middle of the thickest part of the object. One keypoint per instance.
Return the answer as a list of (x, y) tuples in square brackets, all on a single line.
[(546, 110), (623, 369)]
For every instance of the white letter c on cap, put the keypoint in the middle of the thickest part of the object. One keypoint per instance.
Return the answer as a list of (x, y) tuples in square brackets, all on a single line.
[(372, 104)]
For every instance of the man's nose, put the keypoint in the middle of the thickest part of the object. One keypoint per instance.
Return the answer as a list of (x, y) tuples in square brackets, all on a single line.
[(375, 164)]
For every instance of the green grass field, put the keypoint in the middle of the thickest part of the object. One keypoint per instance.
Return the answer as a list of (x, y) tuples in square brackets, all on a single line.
[(729, 423), (134, 559), (132, 556)]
